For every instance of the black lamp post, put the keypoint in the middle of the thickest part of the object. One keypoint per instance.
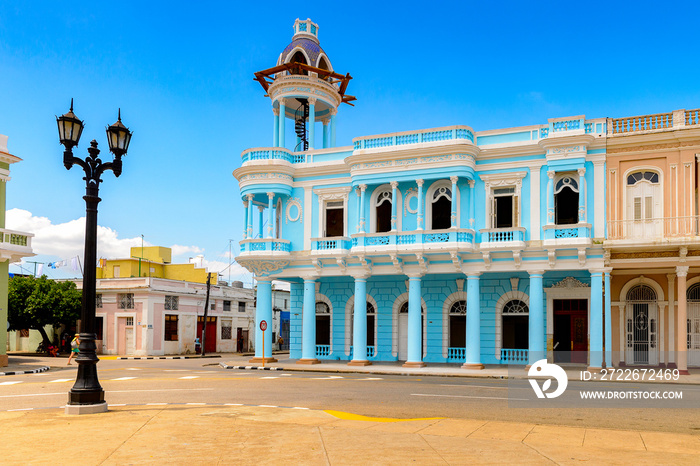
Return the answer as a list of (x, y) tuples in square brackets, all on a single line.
[(87, 395)]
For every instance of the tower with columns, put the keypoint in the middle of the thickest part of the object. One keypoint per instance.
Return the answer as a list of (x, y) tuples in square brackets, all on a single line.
[(454, 246)]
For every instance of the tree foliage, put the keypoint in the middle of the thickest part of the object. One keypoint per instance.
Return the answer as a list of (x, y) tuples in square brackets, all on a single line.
[(34, 303)]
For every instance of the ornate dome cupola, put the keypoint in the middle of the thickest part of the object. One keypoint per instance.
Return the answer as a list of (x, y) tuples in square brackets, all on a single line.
[(305, 89)]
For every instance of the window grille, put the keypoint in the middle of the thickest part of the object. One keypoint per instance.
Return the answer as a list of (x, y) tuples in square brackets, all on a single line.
[(125, 300)]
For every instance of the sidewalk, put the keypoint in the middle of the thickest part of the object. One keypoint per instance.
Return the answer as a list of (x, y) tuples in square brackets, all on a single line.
[(273, 435)]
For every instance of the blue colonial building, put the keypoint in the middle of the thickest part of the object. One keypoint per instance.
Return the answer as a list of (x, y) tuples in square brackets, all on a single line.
[(441, 245)]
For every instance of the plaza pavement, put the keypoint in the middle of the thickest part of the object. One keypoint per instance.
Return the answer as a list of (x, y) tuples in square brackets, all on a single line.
[(225, 434)]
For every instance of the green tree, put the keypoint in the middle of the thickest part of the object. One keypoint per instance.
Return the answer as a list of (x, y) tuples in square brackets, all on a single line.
[(34, 303)]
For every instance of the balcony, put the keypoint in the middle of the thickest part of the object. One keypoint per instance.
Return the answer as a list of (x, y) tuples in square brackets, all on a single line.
[(456, 354), (514, 356), (272, 153), (332, 245), (668, 230), (414, 137), (502, 238), (271, 246), (578, 234), (15, 245), (414, 241)]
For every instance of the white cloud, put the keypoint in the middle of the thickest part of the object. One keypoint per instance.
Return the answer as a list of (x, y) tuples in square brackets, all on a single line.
[(66, 240)]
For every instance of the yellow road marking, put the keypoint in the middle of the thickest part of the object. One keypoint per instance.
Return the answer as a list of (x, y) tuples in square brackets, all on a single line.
[(358, 417)]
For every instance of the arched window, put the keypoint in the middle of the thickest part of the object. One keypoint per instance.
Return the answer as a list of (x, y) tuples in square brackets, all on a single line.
[(566, 200), (383, 211), (441, 211), (644, 204), (515, 325), (298, 57), (693, 325), (458, 325), (641, 320), (323, 324)]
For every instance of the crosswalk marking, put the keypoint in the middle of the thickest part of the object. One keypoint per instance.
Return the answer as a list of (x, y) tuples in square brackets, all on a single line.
[(11, 383), (190, 377), (125, 378), (60, 380)]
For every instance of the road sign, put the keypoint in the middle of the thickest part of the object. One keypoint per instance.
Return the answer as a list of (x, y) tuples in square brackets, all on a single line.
[(263, 325)]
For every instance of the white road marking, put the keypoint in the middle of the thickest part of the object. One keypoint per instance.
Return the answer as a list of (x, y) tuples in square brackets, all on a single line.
[(195, 404), (116, 404), (156, 404), (32, 394), (297, 407), (269, 377), (190, 377), (10, 383), (176, 370), (132, 369), (21, 409), (233, 404), (327, 378), (125, 378), (475, 397), (285, 375), (267, 406), (371, 378), (60, 380)]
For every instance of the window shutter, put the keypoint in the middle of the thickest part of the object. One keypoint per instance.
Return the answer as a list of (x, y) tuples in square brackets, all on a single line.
[(493, 211), (516, 211), (637, 208), (648, 207)]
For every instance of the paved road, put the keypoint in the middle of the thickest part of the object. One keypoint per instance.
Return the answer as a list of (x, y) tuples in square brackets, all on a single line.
[(195, 381)]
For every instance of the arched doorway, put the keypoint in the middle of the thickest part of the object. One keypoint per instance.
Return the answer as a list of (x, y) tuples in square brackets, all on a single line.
[(323, 326), (383, 212), (693, 323), (566, 200), (440, 216), (458, 325), (515, 325), (641, 320)]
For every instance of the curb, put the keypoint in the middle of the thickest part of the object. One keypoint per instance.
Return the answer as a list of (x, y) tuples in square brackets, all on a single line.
[(163, 357), (33, 371), (260, 368)]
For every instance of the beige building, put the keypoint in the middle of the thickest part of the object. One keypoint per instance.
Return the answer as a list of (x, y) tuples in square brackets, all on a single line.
[(653, 244)]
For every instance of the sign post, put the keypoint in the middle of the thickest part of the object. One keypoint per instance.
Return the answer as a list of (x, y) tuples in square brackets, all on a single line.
[(263, 327)]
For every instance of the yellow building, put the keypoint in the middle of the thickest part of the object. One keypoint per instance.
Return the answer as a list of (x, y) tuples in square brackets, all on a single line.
[(151, 261)]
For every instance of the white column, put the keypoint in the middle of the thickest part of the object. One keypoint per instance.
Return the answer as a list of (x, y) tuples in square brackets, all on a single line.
[(245, 219), (671, 317), (419, 225), (394, 185), (550, 198), (582, 195), (312, 122), (270, 198), (282, 110), (453, 210), (363, 187), (250, 216), (682, 343), (472, 203)]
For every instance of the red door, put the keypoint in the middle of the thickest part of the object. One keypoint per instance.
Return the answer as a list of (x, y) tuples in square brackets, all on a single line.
[(210, 343)]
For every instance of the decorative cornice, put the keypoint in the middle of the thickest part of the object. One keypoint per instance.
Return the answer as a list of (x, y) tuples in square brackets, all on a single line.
[(570, 282)]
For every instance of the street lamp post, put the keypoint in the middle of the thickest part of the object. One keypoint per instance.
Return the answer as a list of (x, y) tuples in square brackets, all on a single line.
[(87, 395)]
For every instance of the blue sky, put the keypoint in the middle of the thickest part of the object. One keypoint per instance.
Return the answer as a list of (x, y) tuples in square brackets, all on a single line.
[(182, 74)]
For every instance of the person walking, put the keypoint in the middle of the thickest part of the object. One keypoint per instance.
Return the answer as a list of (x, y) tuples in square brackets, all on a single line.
[(74, 348)]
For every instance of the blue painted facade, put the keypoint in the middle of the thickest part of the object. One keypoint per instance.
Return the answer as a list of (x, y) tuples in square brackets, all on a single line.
[(446, 231)]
